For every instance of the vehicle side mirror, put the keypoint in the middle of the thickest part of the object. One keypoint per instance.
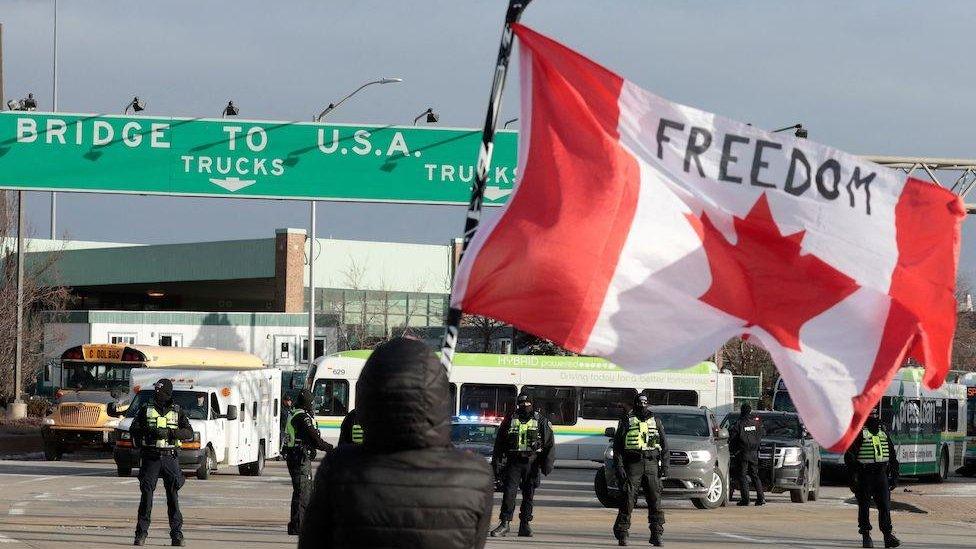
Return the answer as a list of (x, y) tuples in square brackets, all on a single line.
[(805, 434), (231, 412), (112, 410), (609, 432), (722, 434)]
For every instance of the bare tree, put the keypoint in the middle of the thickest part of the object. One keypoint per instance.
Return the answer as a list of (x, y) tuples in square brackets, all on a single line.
[(41, 293), (964, 342), (485, 329)]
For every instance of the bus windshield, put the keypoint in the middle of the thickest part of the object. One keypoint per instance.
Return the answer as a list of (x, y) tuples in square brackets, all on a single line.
[(194, 403), (971, 411), (90, 376)]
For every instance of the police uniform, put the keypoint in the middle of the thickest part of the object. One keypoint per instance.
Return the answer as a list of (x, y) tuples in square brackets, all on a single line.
[(158, 429), (351, 432), (869, 461), (526, 441), (302, 439), (640, 457), (744, 439)]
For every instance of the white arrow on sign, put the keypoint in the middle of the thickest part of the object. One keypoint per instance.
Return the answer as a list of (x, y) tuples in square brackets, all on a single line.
[(496, 193), (233, 184)]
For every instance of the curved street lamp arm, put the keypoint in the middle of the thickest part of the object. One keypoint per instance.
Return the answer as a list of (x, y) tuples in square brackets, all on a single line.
[(333, 106)]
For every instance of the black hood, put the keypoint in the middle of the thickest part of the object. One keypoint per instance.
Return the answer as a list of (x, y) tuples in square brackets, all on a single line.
[(403, 398)]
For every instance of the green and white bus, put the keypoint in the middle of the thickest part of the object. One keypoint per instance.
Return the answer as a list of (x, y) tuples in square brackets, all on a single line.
[(582, 396), (928, 427)]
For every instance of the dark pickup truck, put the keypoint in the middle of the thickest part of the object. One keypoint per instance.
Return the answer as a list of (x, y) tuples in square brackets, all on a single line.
[(789, 458)]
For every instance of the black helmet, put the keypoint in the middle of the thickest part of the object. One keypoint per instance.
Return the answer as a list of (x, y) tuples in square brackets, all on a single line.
[(163, 391), (524, 405), (745, 409)]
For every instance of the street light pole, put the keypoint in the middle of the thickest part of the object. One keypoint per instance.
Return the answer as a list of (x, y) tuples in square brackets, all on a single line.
[(18, 409), (54, 108), (311, 284), (334, 106)]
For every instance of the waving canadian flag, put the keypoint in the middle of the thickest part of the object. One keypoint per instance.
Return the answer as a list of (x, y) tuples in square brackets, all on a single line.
[(651, 233)]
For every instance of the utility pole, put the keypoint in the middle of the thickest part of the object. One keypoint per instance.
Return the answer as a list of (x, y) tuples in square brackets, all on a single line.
[(2, 102)]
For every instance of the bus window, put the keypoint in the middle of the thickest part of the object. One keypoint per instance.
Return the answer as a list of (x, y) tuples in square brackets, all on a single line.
[(600, 403), (940, 415), (558, 403), (331, 397), (953, 416), (453, 398), (680, 397), (254, 410), (487, 400), (243, 410), (887, 414)]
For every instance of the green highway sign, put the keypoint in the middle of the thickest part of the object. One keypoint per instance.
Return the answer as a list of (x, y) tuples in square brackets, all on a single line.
[(248, 158)]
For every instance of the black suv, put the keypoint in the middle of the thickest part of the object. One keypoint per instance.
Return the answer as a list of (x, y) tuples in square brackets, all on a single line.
[(789, 458)]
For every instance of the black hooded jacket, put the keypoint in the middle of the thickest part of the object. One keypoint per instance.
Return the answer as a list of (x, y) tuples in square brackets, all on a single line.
[(405, 487)]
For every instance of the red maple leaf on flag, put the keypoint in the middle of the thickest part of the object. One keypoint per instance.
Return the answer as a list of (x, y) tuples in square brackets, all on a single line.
[(763, 278)]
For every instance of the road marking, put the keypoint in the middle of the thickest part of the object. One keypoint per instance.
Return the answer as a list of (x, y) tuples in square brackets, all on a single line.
[(5, 539), (130, 481), (16, 511), (742, 538), (85, 487)]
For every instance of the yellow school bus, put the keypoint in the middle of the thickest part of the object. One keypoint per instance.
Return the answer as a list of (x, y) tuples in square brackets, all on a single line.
[(93, 386)]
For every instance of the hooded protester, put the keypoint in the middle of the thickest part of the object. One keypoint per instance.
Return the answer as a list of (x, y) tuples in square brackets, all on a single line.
[(157, 429), (405, 486), (526, 442), (870, 460), (640, 453), (744, 439), (302, 439)]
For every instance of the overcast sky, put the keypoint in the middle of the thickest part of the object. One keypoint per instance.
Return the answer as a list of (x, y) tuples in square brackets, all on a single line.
[(880, 77)]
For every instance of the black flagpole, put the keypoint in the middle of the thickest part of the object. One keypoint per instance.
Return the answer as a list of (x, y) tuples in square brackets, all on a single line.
[(453, 324)]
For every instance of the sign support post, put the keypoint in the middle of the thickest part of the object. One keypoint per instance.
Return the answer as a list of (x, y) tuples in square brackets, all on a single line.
[(18, 409)]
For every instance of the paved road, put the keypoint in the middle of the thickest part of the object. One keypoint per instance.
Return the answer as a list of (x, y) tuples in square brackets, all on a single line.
[(79, 505)]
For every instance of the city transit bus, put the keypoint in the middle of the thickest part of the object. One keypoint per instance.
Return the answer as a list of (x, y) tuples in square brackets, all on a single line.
[(93, 380), (582, 396), (927, 427)]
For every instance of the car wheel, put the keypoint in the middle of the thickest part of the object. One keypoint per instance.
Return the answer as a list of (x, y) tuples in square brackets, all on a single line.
[(209, 464), (603, 494), (814, 489), (255, 468), (799, 495), (52, 452), (716, 494)]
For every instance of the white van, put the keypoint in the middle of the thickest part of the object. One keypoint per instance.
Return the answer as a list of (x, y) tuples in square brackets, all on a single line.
[(235, 416)]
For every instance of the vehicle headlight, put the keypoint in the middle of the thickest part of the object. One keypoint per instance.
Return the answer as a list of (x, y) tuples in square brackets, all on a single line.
[(700, 455), (196, 436), (47, 421), (608, 453), (792, 456)]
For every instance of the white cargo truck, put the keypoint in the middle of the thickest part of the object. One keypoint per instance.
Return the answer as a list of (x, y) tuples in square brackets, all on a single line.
[(235, 416)]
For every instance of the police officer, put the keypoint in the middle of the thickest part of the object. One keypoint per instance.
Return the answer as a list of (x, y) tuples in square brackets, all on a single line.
[(640, 454), (870, 460), (744, 442), (157, 430), (302, 439), (350, 432), (526, 441)]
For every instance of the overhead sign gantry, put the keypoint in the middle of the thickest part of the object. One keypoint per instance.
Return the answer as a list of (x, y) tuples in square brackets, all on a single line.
[(247, 159)]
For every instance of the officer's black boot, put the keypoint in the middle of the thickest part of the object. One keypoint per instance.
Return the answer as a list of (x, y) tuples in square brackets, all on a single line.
[(656, 539), (525, 531), (891, 540), (501, 530), (866, 540), (622, 540), (140, 539), (178, 542)]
